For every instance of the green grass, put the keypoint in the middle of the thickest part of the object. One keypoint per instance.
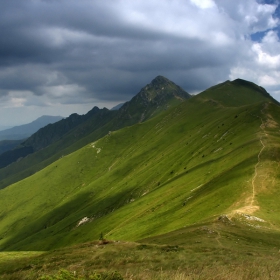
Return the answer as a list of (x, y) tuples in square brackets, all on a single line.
[(223, 250), (189, 165), (140, 181), (172, 189), (236, 93)]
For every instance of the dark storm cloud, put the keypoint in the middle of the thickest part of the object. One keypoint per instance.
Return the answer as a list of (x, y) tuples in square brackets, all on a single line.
[(72, 52), (83, 38), (75, 38)]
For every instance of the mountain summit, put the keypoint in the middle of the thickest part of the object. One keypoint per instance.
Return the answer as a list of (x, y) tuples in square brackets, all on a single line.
[(161, 88), (236, 93), (153, 99)]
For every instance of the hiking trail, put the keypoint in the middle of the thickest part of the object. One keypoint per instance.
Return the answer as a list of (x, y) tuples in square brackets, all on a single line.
[(252, 206)]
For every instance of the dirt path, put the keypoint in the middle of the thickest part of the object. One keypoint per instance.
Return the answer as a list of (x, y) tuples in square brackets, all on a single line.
[(251, 206), (256, 174)]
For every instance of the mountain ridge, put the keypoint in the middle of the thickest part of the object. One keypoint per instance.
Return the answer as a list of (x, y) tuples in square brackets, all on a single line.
[(67, 135), (192, 163)]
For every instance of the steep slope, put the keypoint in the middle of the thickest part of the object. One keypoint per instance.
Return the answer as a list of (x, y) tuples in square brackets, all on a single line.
[(78, 125), (207, 157), (59, 139), (23, 131)]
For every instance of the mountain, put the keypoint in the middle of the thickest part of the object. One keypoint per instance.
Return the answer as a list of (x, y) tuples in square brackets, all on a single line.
[(4, 127), (23, 131), (236, 93), (54, 132), (210, 162), (153, 99), (66, 132), (59, 139)]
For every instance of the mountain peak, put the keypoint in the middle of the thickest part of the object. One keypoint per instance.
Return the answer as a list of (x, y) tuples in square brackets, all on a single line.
[(237, 93), (162, 87), (251, 85), (160, 80), (152, 99)]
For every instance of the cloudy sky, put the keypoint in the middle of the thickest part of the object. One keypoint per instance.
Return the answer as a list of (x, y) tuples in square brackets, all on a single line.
[(58, 57)]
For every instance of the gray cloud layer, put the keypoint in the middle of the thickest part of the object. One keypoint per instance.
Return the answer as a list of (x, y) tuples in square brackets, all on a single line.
[(65, 54)]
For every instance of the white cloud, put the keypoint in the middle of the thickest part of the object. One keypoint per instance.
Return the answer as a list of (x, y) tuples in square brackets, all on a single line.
[(203, 4), (265, 59), (270, 81), (17, 102), (261, 63), (249, 15), (271, 37)]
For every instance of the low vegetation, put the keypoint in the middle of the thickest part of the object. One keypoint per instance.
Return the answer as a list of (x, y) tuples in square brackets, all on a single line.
[(201, 255), (189, 194)]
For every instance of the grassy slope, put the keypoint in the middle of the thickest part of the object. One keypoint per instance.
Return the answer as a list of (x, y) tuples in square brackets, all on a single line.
[(152, 100), (206, 251), (187, 166), (69, 142)]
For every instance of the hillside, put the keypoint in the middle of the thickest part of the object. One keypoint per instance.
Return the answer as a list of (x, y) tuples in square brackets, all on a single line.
[(56, 140), (79, 125), (212, 157), (21, 132), (6, 145)]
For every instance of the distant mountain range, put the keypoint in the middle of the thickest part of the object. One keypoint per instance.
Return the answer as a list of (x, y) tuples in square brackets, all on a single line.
[(24, 131), (12, 137), (4, 127)]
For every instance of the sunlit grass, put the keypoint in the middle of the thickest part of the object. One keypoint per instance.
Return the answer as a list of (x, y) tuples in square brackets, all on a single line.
[(146, 261), (147, 179), (171, 184), (7, 256)]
